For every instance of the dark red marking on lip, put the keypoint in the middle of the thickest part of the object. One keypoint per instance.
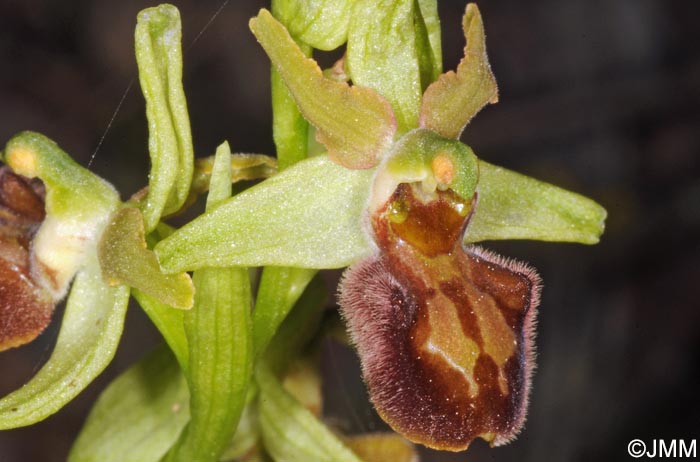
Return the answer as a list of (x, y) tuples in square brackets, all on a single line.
[(25, 308), (444, 333)]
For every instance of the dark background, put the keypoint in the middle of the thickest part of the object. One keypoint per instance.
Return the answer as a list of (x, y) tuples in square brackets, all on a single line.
[(600, 97)]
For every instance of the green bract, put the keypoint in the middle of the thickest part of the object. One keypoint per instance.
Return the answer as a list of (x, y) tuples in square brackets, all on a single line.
[(323, 24), (139, 416), (159, 57), (291, 432), (406, 51), (218, 331)]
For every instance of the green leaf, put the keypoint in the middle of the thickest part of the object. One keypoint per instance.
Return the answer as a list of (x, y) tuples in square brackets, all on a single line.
[(78, 207), (292, 433), (382, 54), (323, 24), (139, 416), (307, 216), (90, 331), (280, 288), (219, 333), (170, 324), (354, 123), (451, 102), (514, 206), (159, 57), (125, 259)]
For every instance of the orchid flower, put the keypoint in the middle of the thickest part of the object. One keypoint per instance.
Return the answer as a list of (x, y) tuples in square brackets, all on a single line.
[(444, 329)]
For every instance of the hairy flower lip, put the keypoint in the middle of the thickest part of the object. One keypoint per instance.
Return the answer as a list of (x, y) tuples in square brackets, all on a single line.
[(25, 307), (419, 309)]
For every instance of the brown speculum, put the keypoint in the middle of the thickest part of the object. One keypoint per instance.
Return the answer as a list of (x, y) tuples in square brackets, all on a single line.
[(25, 308), (444, 332)]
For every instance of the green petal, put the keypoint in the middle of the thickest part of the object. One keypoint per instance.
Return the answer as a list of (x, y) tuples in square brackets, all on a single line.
[(139, 416), (323, 24), (290, 431), (382, 54), (307, 216), (451, 102), (159, 57), (219, 333), (90, 331), (78, 207), (355, 124), (514, 206), (125, 259)]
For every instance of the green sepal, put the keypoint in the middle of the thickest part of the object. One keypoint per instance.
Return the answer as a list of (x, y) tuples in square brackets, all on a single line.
[(290, 431), (78, 207), (89, 335), (138, 416), (323, 24), (383, 54), (514, 206), (159, 57), (125, 259), (450, 102), (355, 124), (219, 334), (312, 219)]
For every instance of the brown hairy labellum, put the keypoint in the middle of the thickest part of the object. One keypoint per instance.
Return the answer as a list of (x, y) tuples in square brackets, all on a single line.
[(444, 333), (25, 307)]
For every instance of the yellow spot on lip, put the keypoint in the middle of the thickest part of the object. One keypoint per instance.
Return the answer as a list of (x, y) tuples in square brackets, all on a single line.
[(443, 169), (23, 161)]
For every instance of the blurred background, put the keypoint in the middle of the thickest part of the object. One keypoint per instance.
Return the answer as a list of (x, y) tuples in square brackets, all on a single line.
[(600, 97)]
